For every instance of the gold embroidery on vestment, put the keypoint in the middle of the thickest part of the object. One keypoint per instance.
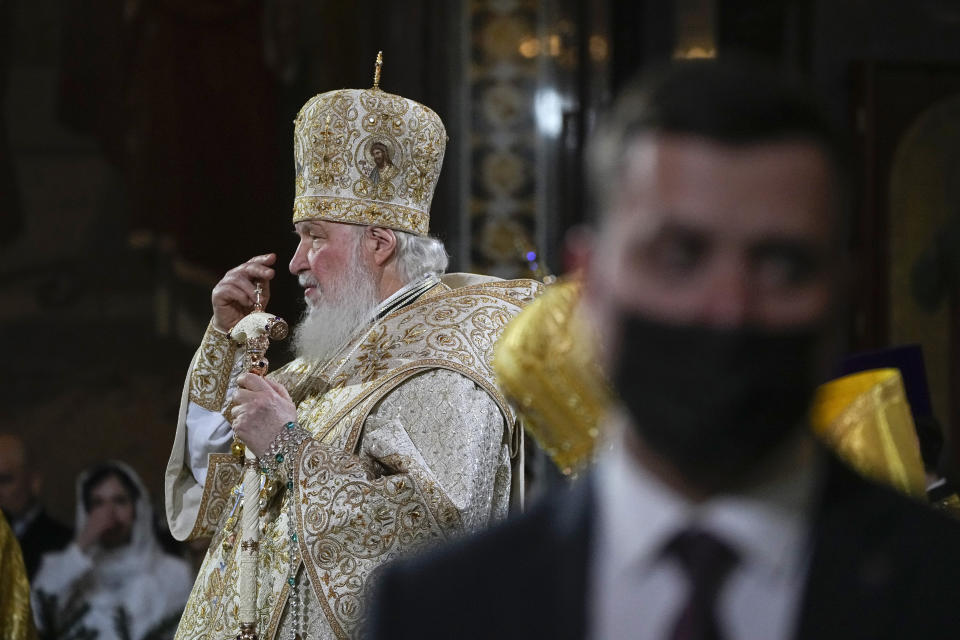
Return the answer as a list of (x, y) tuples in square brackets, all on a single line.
[(352, 517), (211, 372)]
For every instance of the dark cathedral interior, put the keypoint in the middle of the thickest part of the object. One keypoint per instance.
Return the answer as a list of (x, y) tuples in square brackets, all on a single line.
[(145, 149)]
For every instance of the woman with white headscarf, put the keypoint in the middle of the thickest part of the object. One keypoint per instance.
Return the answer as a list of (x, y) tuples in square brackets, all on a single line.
[(113, 581)]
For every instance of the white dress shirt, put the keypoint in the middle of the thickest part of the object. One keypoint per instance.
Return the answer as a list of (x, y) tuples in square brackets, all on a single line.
[(637, 591)]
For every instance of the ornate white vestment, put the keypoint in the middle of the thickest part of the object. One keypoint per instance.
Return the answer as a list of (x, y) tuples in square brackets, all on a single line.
[(412, 443)]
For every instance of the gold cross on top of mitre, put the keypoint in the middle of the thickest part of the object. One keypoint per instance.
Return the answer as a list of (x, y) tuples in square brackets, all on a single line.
[(376, 70)]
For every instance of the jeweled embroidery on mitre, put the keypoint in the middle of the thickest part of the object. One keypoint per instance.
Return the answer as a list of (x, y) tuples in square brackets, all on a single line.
[(364, 156)]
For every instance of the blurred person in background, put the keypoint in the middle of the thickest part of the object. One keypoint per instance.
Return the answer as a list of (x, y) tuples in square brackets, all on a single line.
[(20, 487), (714, 283), (113, 580)]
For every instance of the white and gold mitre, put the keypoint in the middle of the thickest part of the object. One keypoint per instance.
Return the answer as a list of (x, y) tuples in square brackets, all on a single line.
[(364, 156)]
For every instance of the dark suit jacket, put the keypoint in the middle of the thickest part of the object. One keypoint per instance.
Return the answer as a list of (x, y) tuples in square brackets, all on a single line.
[(43, 535), (882, 566)]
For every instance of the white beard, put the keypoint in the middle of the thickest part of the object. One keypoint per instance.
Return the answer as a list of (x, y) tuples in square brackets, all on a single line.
[(341, 312)]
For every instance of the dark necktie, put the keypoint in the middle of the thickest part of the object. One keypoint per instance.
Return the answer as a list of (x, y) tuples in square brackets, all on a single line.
[(707, 562)]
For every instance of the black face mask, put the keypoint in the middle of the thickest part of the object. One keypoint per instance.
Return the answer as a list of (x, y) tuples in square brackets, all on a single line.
[(714, 401)]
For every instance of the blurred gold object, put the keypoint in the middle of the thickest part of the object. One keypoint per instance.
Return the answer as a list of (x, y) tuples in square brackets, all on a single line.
[(866, 420), (15, 614), (545, 362)]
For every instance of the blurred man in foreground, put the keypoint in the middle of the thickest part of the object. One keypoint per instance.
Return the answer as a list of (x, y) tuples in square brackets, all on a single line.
[(114, 580), (713, 283), (20, 485)]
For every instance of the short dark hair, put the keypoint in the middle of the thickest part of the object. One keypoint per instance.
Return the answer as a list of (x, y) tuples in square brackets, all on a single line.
[(101, 472), (735, 100)]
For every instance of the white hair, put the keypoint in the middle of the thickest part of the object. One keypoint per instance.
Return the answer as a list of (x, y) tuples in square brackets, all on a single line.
[(419, 255)]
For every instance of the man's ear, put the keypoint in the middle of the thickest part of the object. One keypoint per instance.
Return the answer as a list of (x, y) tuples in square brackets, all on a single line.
[(578, 249), (580, 260), (36, 484), (381, 243)]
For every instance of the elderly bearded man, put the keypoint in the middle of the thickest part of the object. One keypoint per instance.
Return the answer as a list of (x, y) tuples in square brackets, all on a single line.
[(405, 438)]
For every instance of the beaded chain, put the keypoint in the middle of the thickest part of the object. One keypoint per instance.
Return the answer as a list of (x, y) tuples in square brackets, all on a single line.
[(282, 450)]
